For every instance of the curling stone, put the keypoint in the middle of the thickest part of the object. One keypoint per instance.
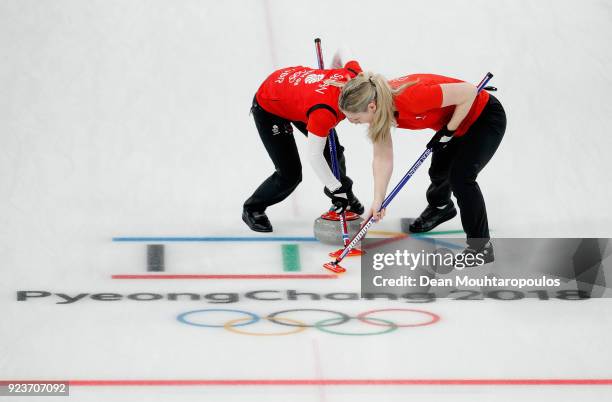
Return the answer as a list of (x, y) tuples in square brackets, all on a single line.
[(328, 229)]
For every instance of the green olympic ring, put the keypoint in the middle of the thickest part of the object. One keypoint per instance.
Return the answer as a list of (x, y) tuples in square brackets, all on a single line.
[(391, 326)]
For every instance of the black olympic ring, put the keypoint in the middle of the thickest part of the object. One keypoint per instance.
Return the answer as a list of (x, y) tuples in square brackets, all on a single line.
[(342, 318)]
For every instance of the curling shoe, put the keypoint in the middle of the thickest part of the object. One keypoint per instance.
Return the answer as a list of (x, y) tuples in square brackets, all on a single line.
[(471, 257), (432, 217), (257, 221)]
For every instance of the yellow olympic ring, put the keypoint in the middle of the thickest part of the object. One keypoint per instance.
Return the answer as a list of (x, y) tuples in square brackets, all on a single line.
[(298, 328)]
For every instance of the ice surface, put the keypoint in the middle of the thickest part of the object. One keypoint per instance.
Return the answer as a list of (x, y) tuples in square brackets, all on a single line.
[(131, 119)]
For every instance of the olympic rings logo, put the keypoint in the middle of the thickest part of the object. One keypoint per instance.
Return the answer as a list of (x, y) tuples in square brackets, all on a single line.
[(204, 318)]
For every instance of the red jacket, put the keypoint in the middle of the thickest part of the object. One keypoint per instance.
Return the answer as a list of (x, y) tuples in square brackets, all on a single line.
[(420, 106), (300, 94)]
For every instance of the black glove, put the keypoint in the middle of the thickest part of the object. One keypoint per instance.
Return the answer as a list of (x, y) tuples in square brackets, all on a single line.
[(441, 139), (339, 198)]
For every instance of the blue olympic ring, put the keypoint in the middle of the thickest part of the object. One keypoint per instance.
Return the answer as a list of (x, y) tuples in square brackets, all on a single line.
[(181, 317)]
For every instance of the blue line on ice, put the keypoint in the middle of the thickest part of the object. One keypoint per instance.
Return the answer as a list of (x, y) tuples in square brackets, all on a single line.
[(167, 239)]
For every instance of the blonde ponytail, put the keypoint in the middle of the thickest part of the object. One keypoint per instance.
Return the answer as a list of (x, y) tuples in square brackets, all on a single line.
[(365, 88)]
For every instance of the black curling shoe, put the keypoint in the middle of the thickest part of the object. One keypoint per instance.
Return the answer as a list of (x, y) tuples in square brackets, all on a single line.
[(471, 257), (257, 221), (432, 217)]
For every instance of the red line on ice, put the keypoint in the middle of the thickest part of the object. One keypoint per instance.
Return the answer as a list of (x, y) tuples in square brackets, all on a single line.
[(310, 382), (225, 276)]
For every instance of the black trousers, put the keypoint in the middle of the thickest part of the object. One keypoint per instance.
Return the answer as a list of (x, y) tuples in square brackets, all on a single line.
[(455, 169), (276, 133)]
